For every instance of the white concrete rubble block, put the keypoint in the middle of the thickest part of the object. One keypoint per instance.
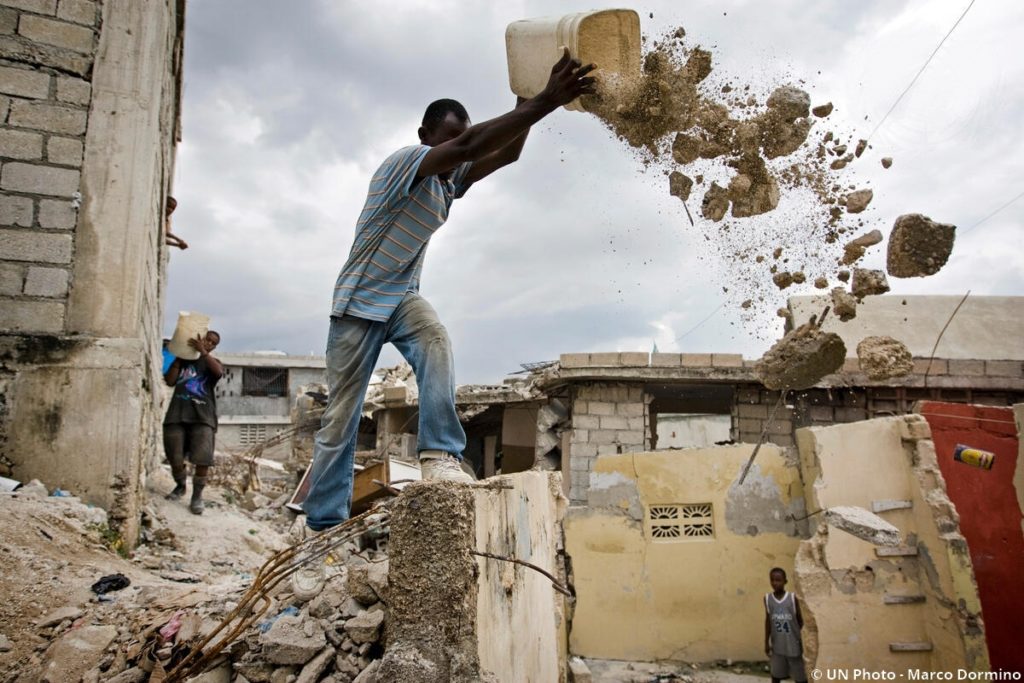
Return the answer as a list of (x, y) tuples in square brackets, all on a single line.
[(16, 211), (39, 179), (56, 33), (865, 525), (24, 82), (21, 144), (579, 672), (49, 117)]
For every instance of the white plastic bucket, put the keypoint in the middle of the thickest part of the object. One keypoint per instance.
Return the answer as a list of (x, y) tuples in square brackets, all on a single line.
[(609, 39), (190, 325)]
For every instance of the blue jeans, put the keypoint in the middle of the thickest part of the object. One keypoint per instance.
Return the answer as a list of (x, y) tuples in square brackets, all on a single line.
[(353, 346)]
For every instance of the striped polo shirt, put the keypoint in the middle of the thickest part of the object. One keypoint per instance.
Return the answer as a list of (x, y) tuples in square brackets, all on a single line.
[(391, 238)]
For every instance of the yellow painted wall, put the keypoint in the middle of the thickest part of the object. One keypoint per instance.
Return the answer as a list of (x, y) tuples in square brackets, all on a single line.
[(844, 583), (697, 600)]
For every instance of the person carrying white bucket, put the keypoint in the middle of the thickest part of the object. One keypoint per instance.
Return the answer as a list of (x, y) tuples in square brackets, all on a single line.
[(376, 299), (191, 420)]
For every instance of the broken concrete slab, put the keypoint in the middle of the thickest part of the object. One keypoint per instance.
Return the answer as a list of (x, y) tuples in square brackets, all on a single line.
[(77, 652), (918, 246), (801, 359), (365, 627), (66, 613), (789, 103), (863, 524), (287, 642), (884, 358), (315, 667), (858, 200), (844, 305), (868, 282), (579, 672)]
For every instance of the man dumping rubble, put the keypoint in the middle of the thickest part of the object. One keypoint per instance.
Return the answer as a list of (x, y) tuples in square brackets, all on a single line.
[(376, 298)]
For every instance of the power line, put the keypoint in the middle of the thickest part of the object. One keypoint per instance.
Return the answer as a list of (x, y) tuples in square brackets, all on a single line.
[(921, 70), (993, 213), (695, 327)]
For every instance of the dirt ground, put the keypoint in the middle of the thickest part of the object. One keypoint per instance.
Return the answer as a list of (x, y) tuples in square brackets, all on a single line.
[(53, 549)]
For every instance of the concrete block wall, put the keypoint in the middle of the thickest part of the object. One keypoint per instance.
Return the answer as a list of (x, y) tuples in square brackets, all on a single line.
[(607, 418), (89, 112), (47, 51)]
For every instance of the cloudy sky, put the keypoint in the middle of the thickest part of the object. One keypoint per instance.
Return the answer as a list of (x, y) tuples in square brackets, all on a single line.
[(290, 106)]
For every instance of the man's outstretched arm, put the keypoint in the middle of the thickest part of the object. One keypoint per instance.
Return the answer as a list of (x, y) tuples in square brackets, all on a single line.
[(508, 154), (568, 81)]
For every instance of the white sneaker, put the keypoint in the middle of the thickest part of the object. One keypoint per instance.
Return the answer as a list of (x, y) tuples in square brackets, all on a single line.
[(443, 467), (309, 579)]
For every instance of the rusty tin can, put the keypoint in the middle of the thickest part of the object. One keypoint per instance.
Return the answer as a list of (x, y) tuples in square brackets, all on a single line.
[(975, 457)]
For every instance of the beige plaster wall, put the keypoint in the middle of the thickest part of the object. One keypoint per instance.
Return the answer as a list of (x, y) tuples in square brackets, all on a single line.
[(521, 619), (697, 600), (844, 582)]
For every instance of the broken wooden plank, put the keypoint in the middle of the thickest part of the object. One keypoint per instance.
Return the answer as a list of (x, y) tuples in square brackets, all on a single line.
[(897, 551), (886, 505), (902, 599), (910, 647)]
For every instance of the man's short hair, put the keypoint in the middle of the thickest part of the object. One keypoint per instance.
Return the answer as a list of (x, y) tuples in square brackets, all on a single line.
[(438, 110), (777, 570)]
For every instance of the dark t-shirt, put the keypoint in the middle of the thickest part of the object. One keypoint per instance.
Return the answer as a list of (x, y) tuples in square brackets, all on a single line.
[(193, 400)]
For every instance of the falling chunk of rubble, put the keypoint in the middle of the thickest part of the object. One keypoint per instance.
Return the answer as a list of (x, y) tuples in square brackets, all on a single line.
[(865, 525), (854, 249), (747, 304), (685, 148), (884, 358), (801, 358), (821, 283), (822, 110), (861, 146), (715, 203), (789, 103), (918, 246), (799, 278), (844, 305), (886, 162), (843, 275), (867, 282), (783, 279), (858, 200), (753, 190), (679, 185), (784, 313), (777, 253)]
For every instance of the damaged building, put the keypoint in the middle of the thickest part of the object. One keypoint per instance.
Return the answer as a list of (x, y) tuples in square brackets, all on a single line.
[(90, 96)]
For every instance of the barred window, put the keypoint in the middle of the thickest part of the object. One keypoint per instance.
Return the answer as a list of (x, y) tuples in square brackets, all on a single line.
[(680, 522), (252, 434), (264, 381)]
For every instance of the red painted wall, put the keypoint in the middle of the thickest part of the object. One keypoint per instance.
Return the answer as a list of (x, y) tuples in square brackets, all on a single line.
[(990, 517)]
